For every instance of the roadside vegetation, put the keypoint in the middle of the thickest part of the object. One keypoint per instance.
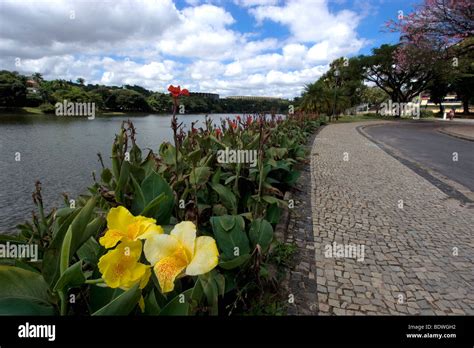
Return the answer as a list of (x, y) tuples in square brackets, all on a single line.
[(167, 232)]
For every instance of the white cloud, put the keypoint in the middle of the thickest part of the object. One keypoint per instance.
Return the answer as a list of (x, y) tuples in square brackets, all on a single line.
[(153, 43)]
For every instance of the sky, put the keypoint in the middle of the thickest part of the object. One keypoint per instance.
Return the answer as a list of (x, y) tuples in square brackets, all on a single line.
[(230, 47)]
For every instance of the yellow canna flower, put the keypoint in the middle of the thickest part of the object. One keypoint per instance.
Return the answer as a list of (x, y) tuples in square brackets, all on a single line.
[(123, 226), (171, 254), (120, 267)]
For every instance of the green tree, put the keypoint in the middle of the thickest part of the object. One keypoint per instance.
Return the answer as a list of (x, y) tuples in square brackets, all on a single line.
[(126, 100), (401, 84), (374, 96), (12, 89)]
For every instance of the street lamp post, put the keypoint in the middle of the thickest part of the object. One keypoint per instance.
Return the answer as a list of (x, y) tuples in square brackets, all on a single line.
[(336, 75)]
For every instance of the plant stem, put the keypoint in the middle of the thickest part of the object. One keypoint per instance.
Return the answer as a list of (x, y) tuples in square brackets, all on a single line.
[(94, 281)]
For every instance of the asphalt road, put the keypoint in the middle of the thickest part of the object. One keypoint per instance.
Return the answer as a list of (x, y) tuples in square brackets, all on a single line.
[(422, 143)]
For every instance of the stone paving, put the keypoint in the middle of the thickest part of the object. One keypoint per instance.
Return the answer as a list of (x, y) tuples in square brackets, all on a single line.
[(302, 276), (412, 246)]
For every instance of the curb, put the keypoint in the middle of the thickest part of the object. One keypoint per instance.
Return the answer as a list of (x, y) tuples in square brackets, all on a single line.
[(455, 135), (422, 171)]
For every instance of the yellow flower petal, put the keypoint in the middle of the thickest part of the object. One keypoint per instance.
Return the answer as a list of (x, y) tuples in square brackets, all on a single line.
[(111, 238), (185, 232), (145, 278), (150, 230), (167, 269), (141, 304), (119, 218), (120, 267), (205, 256), (160, 246)]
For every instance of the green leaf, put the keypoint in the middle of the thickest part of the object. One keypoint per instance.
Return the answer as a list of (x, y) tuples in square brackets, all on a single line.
[(226, 196), (153, 208), (65, 251), (23, 292), (194, 156), (92, 229), (273, 200), (72, 277), (89, 251), (151, 304), (106, 175), (179, 305), (238, 261), (199, 175), (261, 233), (216, 177), (273, 213), (21, 306), (232, 241), (122, 304), (138, 198), (153, 186), (219, 210), (122, 181), (82, 230), (210, 289), (292, 177)]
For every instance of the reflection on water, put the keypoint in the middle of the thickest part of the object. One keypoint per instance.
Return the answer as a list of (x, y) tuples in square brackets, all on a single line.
[(61, 152)]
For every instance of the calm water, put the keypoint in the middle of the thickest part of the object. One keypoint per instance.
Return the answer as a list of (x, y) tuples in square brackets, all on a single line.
[(61, 152)]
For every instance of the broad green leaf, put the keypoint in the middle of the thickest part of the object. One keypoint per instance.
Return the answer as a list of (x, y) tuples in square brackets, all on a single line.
[(152, 209), (233, 242), (25, 289), (89, 251), (261, 233), (138, 197), (72, 277), (226, 196), (23, 306), (238, 261), (210, 289), (151, 305), (273, 213), (153, 186), (179, 305), (122, 304), (199, 175)]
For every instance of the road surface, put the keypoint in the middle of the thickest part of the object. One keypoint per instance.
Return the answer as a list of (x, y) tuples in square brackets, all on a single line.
[(422, 143)]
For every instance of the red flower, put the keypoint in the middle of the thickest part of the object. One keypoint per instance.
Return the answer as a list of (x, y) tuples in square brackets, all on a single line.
[(233, 124), (218, 132), (249, 120), (177, 91), (238, 118)]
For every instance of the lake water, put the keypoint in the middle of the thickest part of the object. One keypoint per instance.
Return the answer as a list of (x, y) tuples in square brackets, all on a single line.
[(61, 152)]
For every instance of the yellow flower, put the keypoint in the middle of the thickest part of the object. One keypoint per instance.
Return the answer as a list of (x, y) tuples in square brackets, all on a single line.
[(120, 267), (123, 226), (180, 251)]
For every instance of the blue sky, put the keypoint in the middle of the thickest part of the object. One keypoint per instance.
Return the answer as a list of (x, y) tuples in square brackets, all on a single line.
[(230, 47)]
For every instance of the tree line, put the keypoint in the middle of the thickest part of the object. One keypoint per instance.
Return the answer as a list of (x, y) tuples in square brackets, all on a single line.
[(435, 55), (15, 92)]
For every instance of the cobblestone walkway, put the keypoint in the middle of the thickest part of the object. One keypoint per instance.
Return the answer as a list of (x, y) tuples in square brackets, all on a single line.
[(418, 245)]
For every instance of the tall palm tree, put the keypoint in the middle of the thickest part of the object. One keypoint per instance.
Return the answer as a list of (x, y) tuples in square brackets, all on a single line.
[(316, 98)]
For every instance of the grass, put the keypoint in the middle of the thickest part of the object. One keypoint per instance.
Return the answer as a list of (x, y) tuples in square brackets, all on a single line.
[(32, 110), (357, 118)]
